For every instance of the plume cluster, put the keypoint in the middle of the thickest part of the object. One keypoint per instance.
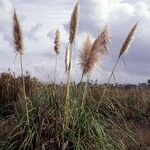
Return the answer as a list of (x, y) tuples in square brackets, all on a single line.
[(74, 23), (128, 40), (17, 35), (92, 52), (57, 42)]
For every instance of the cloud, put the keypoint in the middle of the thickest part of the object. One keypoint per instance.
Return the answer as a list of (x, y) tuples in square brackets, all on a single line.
[(5, 19), (41, 18), (31, 34)]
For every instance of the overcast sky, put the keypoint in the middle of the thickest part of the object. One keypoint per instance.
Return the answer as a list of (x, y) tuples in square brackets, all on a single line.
[(40, 19)]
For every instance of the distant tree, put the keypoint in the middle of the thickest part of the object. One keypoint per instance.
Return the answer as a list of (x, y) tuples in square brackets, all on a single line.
[(148, 81)]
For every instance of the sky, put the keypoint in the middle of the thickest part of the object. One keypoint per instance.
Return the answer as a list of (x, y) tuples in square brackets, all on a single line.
[(40, 19)]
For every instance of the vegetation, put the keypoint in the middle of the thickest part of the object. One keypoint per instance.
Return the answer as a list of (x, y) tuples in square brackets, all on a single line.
[(83, 116), (121, 122)]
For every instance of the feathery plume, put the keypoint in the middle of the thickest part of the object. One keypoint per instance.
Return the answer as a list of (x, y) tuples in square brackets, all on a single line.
[(74, 23), (93, 51), (126, 45), (87, 56), (124, 48), (57, 42), (72, 35), (101, 44), (17, 35)]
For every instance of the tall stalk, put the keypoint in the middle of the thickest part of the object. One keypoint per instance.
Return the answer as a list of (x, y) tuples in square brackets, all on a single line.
[(22, 75), (55, 73), (24, 90), (67, 101), (84, 93), (105, 89), (69, 71)]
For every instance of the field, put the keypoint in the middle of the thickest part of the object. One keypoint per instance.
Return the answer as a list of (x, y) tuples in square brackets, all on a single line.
[(122, 120)]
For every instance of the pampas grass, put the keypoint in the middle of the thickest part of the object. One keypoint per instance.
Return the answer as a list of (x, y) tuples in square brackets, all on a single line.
[(72, 35), (57, 45), (68, 60), (18, 45), (57, 42), (74, 23), (101, 44), (124, 49), (17, 35), (87, 57), (128, 41), (54, 122), (93, 53)]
